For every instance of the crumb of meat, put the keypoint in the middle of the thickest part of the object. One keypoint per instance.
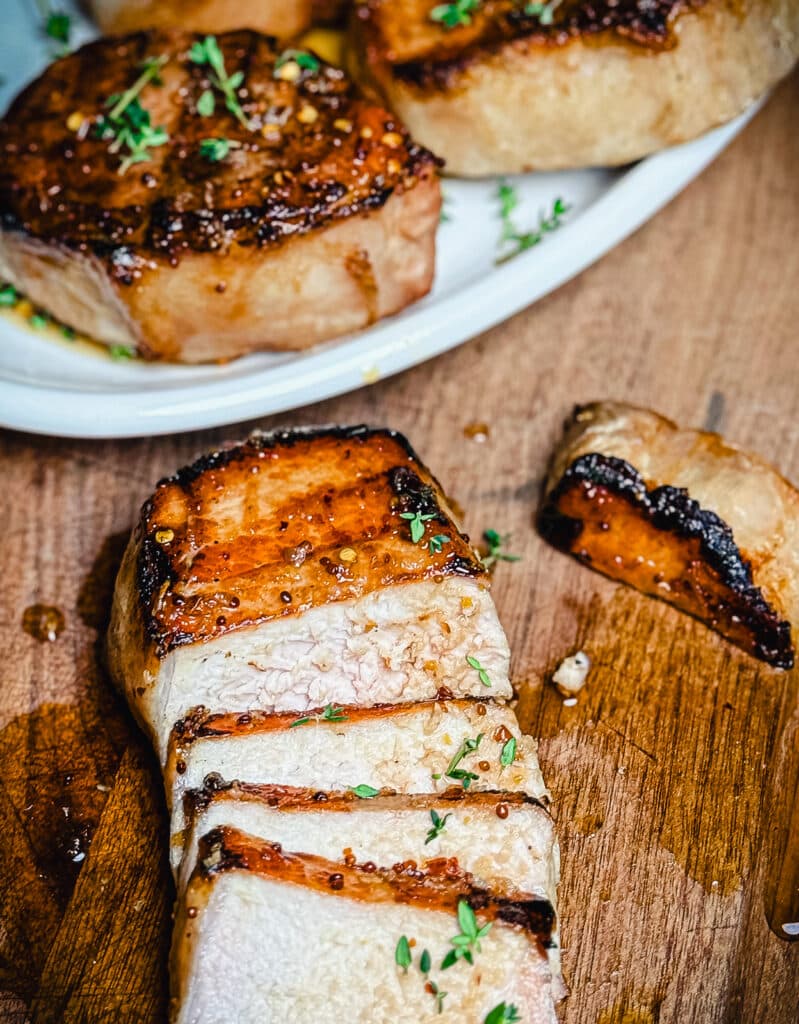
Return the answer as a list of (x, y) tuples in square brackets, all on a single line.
[(570, 675)]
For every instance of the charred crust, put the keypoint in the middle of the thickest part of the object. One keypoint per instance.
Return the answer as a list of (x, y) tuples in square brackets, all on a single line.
[(672, 510), (62, 186), (645, 24)]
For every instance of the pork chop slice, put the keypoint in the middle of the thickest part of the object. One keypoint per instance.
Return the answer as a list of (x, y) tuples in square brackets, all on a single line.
[(427, 747), (283, 18), (505, 840), (196, 200), (298, 569), (264, 934)]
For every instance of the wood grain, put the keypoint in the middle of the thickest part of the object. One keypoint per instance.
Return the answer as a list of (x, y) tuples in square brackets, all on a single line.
[(674, 777)]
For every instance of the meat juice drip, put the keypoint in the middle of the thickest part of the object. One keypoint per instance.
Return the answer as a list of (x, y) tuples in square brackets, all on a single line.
[(44, 622)]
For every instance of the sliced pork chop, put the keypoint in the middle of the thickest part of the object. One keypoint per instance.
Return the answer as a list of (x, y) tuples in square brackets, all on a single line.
[(294, 212), (683, 516), (283, 574), (265, 935), (505, 840), (405, 748), (508, 89)]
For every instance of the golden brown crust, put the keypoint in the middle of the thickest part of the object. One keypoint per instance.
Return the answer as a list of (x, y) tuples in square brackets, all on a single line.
[(636, 526), (62, 185), (277, 17), (227, 849), (286, 522), (605, 84)]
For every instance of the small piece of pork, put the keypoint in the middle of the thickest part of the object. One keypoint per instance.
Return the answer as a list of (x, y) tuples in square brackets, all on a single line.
[(683, 516)]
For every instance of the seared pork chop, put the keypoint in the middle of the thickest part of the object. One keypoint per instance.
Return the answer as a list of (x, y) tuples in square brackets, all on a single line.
[(282, 18), (428, 747), (264, 934), (683, 516), (296, 570), (505, 840), (507, 89), (247, 202)]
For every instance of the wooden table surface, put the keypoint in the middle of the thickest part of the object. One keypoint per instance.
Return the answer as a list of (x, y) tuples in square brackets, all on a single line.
[(675, 775)]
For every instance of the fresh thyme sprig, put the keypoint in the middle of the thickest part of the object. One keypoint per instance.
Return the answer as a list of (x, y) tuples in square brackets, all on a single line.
[(56, 25), (215, 149), (438, 826), (330, 713), (301, 61), (462, 775), (436, 544), (544, 12), (454, 14), (208, 52), (416, 521), (9, 296), (495, 553), (402, 954), (503, 1013), (467, 942), (481, 672), (523, 240), (364, 792), (508, 753), (120, 353), (128, 123)]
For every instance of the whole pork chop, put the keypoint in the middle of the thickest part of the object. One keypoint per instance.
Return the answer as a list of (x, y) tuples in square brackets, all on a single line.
[(241, 199)]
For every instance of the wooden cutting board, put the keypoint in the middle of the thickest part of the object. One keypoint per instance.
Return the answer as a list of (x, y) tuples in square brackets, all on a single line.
[(674, 776)]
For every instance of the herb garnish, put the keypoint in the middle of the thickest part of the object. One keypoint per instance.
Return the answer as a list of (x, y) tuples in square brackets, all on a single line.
[(330, 714), (128, 123), (121, 352), (438, 826), (208, 52), (57, 25), (503, 1013), (364, 792), (216, 149), (544, 12), (305, 62), (402, 954), (454, 14), (467, 941), (9, 296), (425, 962), (508, 753), (523, 240), (495, 552), (436, 544), (416, 521), (466, 778), (481, 672)]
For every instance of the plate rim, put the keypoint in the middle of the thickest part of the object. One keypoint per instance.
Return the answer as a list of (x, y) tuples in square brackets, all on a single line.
[(338, 368)]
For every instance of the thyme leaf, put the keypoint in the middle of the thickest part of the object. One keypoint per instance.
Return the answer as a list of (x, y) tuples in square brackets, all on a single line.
[(438, 826), (207, 52), (481, 672)]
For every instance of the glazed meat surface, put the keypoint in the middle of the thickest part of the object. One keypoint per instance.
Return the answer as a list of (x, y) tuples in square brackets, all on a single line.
[(283, 574), (683, 516), (316, 216), (601, 83)]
